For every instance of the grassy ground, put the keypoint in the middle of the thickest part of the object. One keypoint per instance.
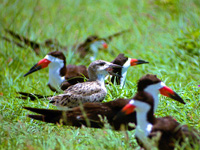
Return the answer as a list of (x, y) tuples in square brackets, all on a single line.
[(164, 32)]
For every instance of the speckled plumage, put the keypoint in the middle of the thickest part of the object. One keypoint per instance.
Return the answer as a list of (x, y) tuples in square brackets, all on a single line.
[(93, 90), (80, 93)]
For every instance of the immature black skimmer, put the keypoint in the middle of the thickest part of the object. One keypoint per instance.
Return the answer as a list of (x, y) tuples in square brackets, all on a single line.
[(93, 90), (166, 130), (126, 63), (60, 75), (92, 111)]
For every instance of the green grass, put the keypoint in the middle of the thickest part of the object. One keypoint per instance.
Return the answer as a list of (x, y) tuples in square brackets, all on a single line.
[(159, 30)]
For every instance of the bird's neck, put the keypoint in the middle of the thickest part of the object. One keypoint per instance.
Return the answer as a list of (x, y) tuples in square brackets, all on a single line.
[(101, 78), (94, 49), (154, 94), (123, 77), (124, 72), (144, 127), (97, 77), (56, 72)]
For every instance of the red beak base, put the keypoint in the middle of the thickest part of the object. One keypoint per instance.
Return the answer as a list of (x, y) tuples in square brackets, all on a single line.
[(43, 63), (135, 62), (40, 65), (105, 45), (128, 109)]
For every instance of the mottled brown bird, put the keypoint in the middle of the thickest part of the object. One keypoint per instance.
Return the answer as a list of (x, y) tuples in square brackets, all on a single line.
[(93, 90)]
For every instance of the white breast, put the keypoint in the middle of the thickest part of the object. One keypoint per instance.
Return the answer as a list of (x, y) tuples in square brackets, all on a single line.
[(124, 72), (55, 80)]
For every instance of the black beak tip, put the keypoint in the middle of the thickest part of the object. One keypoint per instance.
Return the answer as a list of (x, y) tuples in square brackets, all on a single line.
[(183, 102), (28, 73), (25, 74), (178, 98), (142, 61), (33, 69)]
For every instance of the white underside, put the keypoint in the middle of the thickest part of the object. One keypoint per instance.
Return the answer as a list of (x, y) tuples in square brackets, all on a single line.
[(154, 91), (124, 72), (101, 79), (143, 127), (95, 48), (55, 80)]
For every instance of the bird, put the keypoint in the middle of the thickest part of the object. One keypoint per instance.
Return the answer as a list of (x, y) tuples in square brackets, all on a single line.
[(126, 63), (93, 112), (94, 43), (164, 130), (91, 45), (61, 76), (93, 90)]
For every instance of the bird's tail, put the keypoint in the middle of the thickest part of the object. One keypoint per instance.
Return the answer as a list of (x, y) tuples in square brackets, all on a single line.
[(32, 96), (34, 45), (26, 41), (109, 38), (47, 115)]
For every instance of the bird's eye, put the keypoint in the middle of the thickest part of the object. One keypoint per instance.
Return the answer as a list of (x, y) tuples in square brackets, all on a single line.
[(102, 64)]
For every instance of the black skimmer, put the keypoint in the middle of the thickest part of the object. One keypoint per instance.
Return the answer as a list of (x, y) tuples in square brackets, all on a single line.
[(60, 75), (126, 63), (91, 44), (94, 43), (93, 90), (92, 111), (165, 131)]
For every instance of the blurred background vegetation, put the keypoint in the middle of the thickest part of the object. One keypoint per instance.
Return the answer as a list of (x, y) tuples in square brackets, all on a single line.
[(164, 32)]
